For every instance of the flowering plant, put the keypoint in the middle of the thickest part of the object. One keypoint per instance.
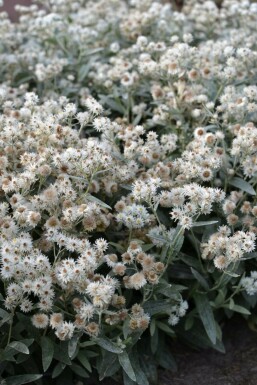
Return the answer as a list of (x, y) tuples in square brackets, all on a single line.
[(128, 159)]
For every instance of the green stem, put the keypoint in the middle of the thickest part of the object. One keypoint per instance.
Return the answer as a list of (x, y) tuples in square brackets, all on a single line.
[(219, 282), (197, 249), (238, 289), (181, 230), (10, 330)]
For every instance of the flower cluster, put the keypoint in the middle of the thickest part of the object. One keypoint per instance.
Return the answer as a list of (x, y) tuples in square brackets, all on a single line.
[(134, 216), (128, 174), (244, 147), (48, 177), (177, 311), (190, 201), (250, 283), (225, 248)]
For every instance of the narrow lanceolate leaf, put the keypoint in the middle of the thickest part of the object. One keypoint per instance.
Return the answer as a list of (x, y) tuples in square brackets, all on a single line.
[(159, 238), (140, 374), (155, 307), (108, 345), (206, 315), (72, 346), (200, 279), (84, 361), (251, 255), (238, 309), (126, 365), (19, 347), (127, 380), (22, 379), (177, 240), (242, 185), (147, 247), (241, 309), (79, 371), (108, 365), (3, 313), (91, 198), (58, 369), (84, 69), (47, 352), (204, 223), (28, 341)]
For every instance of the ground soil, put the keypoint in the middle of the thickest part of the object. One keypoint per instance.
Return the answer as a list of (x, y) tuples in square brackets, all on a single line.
[(238, 366)]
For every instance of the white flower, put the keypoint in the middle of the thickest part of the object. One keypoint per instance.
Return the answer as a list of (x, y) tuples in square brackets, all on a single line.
[(101, 124), (65, 331), (134, 216), (101, 245), (93, 106), (250, 283), (26, 305), (40, 320), (137, 281), (173, 320), (84, 118), (146, 190), (86, 312)]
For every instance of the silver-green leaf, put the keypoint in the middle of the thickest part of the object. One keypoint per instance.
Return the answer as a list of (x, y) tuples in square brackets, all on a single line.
[(206, 315), (107, 344), (22, 379), (47, 347), (126, 365), (242, 185)]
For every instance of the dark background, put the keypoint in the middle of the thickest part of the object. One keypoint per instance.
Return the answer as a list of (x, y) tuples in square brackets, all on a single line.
[(9, 7)]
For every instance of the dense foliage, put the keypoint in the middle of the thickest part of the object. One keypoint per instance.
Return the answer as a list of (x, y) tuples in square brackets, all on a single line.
[(128, 173)]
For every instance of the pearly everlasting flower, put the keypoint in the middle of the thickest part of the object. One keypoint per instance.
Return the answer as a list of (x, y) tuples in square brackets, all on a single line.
[(56, 320), (84, 118), (93, 106), (173, 319), (144, 124), (101, 124), (65, 331), (134, 216), (137, 281), (26, 306), (40, 320), (86, 312), (101, 292), (177, 311), (101, 245), (250, 283), (226, 249), (146, 190)]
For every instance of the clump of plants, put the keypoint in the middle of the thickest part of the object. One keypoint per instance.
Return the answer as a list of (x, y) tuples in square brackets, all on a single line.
[(128, 173)]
